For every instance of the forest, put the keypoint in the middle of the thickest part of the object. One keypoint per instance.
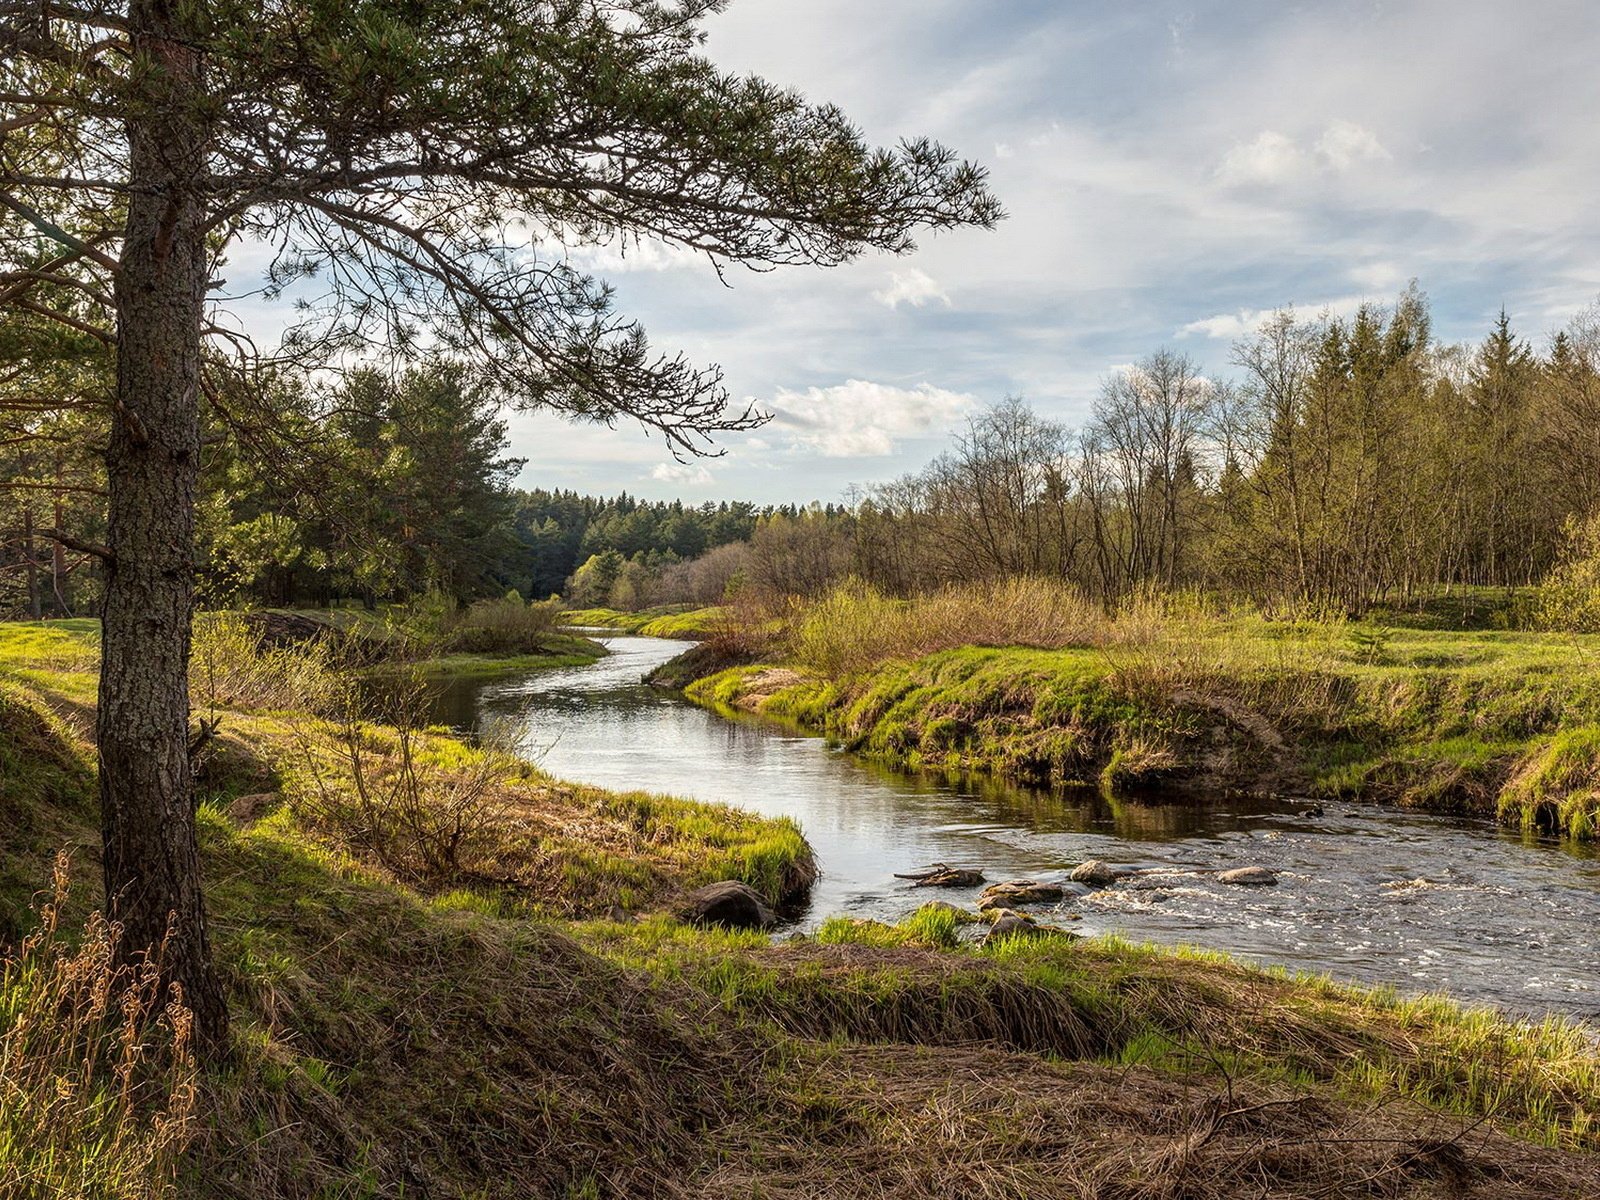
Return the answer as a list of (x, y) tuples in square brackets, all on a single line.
[(1335, 463)]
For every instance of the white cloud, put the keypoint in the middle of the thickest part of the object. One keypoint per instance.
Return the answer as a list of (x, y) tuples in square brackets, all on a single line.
[(913, 287), (1379, 276), (859, 419), (1344, 144), (1226, 326), (692, 474), (1276, 158), (1271, 158), (1235, 325)]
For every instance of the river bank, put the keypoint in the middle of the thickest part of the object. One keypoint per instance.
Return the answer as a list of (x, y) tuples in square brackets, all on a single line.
[(674, 621), (1496, 724), (398, 1033)]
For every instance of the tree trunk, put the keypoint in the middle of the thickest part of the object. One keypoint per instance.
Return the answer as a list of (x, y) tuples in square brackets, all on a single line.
[(58, 552), (35, 601), (152, 862)]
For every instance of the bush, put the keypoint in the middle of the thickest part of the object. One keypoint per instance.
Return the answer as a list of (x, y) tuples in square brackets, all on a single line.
[(232, 666), (425, 812), (1569, 598), (505, 626), (97, 1078)]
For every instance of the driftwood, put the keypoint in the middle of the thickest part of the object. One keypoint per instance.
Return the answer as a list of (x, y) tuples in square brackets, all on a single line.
[(944, 875)]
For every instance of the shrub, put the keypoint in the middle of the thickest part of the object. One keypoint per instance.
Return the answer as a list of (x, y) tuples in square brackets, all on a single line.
[(1569, 597), (232, 666), (97, 1078), (435, 624), (505, 626), (391, 795)]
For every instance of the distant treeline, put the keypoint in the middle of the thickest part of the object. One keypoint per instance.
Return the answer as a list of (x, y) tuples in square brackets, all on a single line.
[(1338, 461), (377, 490)]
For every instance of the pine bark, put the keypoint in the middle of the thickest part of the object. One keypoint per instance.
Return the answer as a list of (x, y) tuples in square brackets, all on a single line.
[(152, 862)]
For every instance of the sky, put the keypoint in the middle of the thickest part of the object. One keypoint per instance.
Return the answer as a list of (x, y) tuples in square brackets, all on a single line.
[(1172, 171)]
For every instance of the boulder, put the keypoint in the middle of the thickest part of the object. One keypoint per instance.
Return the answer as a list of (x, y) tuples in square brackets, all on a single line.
[(1249, 876), (1094, 873), (731, 904), (1010, 924), (1020, 891), (245, 810), (962, 916), (944, 875)]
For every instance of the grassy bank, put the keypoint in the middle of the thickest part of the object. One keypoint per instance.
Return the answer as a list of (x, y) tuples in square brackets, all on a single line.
[(691, 624), (1485, 722), (480, 1029)]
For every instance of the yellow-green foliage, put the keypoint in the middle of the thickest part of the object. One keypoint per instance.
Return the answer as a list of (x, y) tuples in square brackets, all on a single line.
[(1569, 597), (97, 1080), (694, 623), (669, 622)]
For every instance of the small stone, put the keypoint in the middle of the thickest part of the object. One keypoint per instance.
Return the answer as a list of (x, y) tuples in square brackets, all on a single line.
[(729, 903), (247, 809), (1020, 891), (1249, 876), (1095, 873)]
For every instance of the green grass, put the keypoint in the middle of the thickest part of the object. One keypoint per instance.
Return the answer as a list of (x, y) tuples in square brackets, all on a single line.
[(558, 650)]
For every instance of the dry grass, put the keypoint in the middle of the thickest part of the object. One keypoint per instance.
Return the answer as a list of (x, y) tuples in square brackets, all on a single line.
[(97, 1079), (855, 627), (903, 1123)]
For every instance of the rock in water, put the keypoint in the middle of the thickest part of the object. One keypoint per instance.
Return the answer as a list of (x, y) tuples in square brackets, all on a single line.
[(729, 903), (944, 875), (1094, 872), (1020, 891), (1249, 876)]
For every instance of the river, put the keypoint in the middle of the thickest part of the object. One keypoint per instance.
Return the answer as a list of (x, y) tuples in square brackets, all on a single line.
[(1366, 893)]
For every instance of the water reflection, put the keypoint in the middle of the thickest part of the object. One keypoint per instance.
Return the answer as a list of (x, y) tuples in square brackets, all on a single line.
[(1366, 893)]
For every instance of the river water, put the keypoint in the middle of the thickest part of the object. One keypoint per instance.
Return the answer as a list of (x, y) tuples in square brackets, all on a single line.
[(1366, 893)]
